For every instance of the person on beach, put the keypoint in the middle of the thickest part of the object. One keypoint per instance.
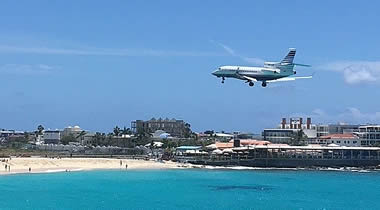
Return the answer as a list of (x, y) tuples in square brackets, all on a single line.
[(121, 163), (6, 167), (30, 169), (9, 168), (126, 166)]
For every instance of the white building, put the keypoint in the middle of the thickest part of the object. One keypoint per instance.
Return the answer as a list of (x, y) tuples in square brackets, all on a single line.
[(76, 130), (311, 130), (369, 134), (224, 136), (87, 139), (7, 133), (347, 139)]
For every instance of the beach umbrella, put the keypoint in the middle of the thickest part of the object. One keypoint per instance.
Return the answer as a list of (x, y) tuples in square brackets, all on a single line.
[(211, 146), (240, 148), (217, 151), (228, 151), (190, 151)]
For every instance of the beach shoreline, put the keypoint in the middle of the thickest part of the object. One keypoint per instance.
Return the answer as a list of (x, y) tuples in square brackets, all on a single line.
[(21, 165), (38, 165)]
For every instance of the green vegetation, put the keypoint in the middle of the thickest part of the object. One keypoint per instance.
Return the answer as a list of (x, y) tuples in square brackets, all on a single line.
[(299, 138), (16, 142), (126, 131), (69, 138), (116, 131)]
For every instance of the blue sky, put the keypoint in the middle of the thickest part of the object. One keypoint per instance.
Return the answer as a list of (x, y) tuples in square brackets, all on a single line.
[(98, 64)]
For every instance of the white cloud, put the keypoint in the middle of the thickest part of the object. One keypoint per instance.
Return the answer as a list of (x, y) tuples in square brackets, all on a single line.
[(229, 50), (355, 72), (102, 51), (45, 67), (348, 115), (26, 69), (356, 115), (318, 112)]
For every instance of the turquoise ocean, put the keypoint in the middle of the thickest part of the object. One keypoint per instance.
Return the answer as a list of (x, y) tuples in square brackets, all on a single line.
[(191, 189)]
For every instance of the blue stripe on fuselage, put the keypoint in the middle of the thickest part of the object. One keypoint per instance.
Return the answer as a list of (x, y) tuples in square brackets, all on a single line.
[(258, 75)]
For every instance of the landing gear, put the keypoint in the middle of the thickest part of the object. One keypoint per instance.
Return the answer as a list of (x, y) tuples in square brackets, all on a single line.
[(264, 84), (251, 84), (223, 80)]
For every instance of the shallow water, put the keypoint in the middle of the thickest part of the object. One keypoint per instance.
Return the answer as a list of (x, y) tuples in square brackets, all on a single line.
[(191, 189)]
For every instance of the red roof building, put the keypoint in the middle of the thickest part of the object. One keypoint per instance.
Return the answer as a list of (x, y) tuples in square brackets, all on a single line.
[(346, 139)]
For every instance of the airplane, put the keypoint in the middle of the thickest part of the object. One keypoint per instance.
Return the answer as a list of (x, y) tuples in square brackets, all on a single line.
[(269, 73)]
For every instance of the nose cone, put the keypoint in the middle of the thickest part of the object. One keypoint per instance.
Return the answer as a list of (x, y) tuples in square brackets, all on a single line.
[(215, 73)]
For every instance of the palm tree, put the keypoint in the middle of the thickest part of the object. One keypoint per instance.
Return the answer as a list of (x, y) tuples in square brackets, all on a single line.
[(80, 135), (97, 138), (40, 128), (299, 138), (143, 135), (116, 131), (126, 131), (187, 133), (69, 138), (109, 139)]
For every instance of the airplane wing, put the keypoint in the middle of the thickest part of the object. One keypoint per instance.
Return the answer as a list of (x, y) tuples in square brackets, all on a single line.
[(285, 79), (249, 78)]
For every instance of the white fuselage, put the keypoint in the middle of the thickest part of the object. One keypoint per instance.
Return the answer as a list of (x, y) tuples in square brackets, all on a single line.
[(270, 71)]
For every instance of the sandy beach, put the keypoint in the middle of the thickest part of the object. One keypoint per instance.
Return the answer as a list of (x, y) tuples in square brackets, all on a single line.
[(49, 165)]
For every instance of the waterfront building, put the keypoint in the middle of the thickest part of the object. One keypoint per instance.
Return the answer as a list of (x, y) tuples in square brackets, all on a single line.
[(284, 133), (321, 130), (369, 135), (75, 131), (221, 145), (250, 142), (342, 128), (79, 135), (275, 155), (314, 132), (231, 144), (182, 150), (87, 139), (279, 135), (347, 139), (223, 136), (7, 133), (176, 128), (51, 136), (295, 123)]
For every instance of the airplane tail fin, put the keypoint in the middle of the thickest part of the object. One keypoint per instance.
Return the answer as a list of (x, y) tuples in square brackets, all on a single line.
[(287, 63), (289, 57)]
